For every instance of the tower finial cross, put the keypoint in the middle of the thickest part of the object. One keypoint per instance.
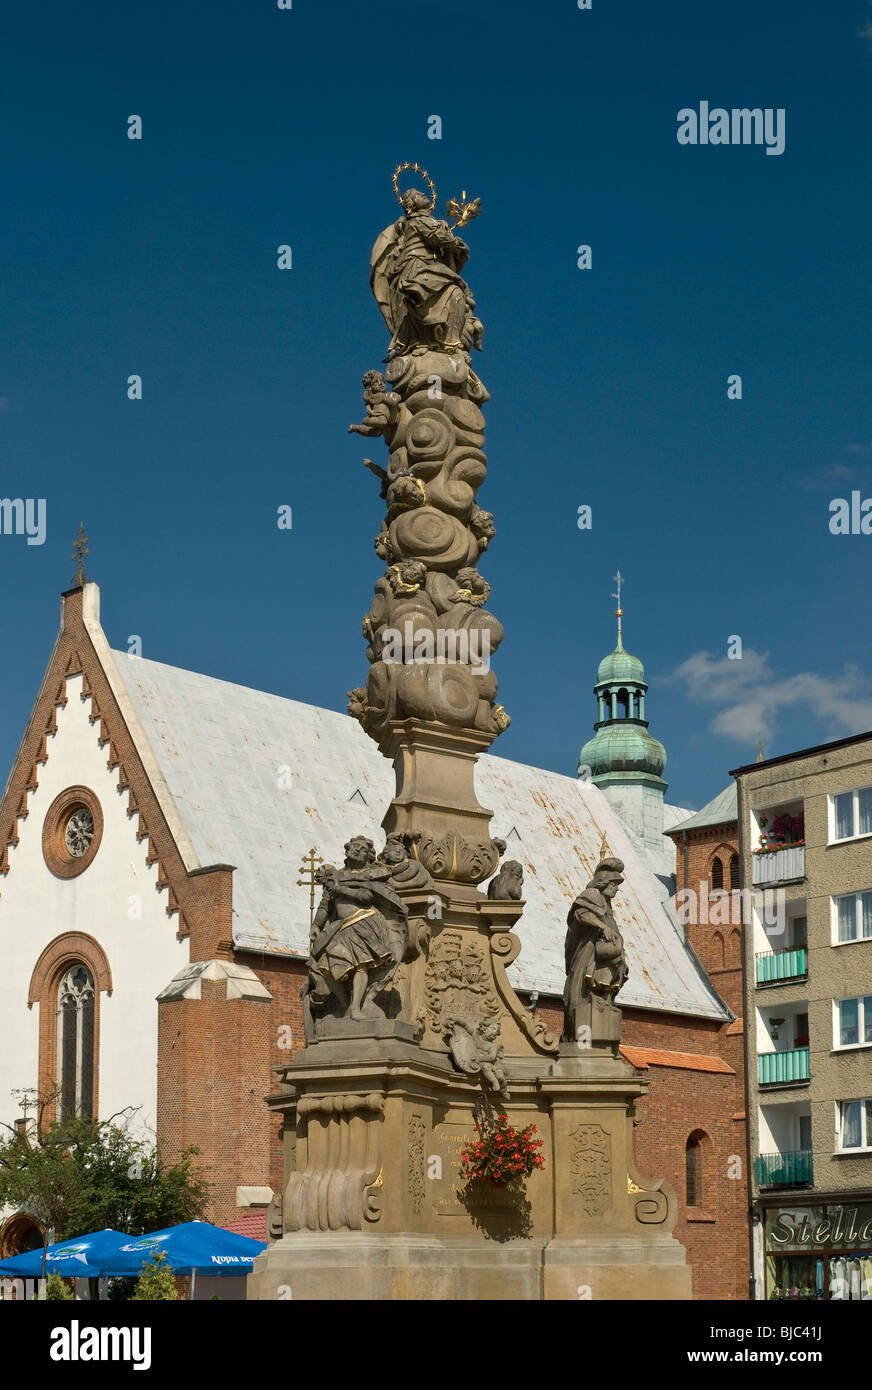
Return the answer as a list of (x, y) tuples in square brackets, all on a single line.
[(619, 612), (80, 550)]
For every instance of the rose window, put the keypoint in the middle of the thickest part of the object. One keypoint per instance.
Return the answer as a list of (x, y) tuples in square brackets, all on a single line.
[(79, 832)]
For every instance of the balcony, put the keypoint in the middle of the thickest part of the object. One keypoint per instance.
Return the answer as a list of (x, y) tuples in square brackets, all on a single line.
[(778, 866), (782, 1068), (784, 1170), (775, 966)]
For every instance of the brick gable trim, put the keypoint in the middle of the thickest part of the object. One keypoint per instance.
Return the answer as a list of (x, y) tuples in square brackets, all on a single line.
[(73, 945), (201, 900)]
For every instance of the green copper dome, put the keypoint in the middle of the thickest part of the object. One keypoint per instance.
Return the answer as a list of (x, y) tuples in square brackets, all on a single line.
[(620, 666), (623, 745), (622, 749)]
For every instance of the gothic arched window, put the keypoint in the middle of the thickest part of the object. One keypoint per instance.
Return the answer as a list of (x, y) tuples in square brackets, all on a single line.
[(734, 872), (693, 1168), (76, 1042), (717, 874)]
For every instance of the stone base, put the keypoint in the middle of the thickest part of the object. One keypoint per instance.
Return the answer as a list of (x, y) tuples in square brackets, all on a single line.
[(604, 1269), (311, 1267)]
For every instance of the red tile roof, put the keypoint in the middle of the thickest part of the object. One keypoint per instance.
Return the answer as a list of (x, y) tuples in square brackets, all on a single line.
[(690, 1061), (250, 1223)]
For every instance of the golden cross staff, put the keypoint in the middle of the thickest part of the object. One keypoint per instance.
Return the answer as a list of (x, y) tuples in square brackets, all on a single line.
[(308, 868), (604, 848)]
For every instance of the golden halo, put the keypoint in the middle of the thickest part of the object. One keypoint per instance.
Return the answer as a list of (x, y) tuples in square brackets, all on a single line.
[(416, 169)]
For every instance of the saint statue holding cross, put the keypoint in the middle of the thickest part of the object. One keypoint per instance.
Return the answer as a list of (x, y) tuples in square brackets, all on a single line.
[(359, 933)]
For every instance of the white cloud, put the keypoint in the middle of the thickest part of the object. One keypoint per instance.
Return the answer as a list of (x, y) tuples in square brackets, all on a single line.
[(751, 695), (837, 473)]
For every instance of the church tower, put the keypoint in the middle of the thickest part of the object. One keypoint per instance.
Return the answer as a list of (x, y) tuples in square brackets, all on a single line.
[(624, 759)]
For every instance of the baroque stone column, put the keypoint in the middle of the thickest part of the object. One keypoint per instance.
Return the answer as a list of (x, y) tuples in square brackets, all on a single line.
[(430, 699), (413, 1030)]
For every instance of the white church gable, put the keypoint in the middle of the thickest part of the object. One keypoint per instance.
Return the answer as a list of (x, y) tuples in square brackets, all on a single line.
[(115, 901)]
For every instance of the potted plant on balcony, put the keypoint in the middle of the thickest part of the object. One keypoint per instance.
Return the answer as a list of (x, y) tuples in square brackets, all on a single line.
[(787, 832)]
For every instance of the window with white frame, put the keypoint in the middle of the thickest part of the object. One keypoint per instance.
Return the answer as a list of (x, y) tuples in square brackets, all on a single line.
[(854, 1124), (851, 814), (852, 913), (853, 1021)]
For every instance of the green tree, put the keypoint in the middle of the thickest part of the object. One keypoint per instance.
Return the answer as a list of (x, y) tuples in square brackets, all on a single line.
[(156, 1282), (81, 1175), (55, 1288)]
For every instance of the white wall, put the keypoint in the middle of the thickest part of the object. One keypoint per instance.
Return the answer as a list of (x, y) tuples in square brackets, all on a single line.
[(35, 907), (779, 1127)]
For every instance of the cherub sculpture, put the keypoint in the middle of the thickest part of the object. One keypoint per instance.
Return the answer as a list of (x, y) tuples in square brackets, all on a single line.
[(509, 882), (382, 407), (406, 871), (477, 1052)]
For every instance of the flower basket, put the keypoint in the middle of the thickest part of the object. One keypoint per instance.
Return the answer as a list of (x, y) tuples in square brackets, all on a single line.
[(501, 1154)]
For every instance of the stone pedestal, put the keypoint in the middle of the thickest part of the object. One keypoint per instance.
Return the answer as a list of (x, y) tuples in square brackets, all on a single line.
[(374, 1208)]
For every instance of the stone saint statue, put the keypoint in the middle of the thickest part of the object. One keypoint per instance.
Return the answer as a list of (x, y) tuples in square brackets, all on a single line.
[(359, 933), (596, 966), (416, 281)]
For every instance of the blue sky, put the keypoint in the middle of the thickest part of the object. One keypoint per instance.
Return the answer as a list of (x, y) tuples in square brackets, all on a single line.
[(608, 387)]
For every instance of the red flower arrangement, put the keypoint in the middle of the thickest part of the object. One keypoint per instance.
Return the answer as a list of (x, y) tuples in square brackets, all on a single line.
[(788, 832), (501, 1154)]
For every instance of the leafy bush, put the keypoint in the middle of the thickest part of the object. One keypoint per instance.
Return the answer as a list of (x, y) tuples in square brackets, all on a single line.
[(156, 1282), (55, 1288)]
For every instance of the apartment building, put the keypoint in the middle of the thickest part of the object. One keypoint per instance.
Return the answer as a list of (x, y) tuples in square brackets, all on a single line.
[(805, 841)]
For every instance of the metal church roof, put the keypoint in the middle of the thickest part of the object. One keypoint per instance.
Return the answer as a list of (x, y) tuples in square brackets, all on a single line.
[(256, 780), (721, 810)]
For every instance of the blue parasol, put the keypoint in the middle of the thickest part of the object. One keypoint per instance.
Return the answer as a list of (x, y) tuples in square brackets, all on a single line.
[(192, 1247), (82, 1258)]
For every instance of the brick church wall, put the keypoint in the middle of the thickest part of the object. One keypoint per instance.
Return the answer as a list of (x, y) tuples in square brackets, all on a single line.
[(714, 926), (215, 1060)]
